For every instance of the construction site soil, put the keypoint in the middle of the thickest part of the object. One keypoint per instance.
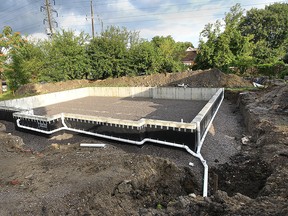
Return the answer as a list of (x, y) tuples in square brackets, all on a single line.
[(246, 151)]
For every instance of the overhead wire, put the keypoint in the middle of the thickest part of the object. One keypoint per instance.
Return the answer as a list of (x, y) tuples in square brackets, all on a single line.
[(151, 14), (13, 16), (143, 8), (118, 15), (146, 8), (16, 8), (162, 13), (14, 19)]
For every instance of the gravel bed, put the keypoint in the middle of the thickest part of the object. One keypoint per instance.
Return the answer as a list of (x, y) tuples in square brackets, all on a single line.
[(128, 108)]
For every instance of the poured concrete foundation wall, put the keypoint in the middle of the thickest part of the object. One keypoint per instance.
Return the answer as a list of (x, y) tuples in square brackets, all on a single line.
[(157, 93), (149, 92), (45, 99), (205, 115)]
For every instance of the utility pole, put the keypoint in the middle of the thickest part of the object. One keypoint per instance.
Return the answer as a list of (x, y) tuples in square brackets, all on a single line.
[(92, 18), (48, 9), (49, 17)]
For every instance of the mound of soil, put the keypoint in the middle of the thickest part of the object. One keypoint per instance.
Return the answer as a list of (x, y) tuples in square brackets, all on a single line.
[(207, 78), (70, 180)]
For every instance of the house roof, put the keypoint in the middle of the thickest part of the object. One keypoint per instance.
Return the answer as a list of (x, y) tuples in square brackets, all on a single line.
[(191, 49), (190, 55)]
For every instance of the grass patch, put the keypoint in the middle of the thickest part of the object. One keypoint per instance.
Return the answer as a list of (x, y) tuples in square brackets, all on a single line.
[(243, 89), (7, 96)]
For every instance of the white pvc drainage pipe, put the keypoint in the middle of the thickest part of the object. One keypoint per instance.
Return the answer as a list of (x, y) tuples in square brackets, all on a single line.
[(200, 142), (93, 145)]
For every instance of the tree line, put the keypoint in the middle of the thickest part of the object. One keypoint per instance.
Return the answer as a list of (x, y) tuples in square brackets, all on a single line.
[(255, 39), (67, 56)]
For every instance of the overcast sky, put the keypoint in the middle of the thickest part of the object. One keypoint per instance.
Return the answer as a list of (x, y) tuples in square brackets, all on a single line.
[(182, 19)]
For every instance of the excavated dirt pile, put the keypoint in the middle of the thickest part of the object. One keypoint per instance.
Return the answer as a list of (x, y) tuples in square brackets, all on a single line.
[(206, 78), (64, 179), (69, 180)]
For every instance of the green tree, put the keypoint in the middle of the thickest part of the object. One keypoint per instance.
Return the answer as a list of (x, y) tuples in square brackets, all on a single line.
[(144, 58), (214, 47), (269, 24), (269, 28), (207, 46), (9, 41), (110, 53), (26, 62), (224, 48), (285, 56), (168, 54), (65, 57), (101, 61), (15, 74)]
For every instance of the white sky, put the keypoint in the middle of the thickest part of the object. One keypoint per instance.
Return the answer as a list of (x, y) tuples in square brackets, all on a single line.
[(182, 19)]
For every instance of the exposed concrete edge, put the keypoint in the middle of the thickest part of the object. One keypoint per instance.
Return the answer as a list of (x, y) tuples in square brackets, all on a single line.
[(25, 115), (11, 108), (140, 123), (208, 106)]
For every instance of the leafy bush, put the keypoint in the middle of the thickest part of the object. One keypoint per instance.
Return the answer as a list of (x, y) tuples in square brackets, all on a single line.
[(272, 70)]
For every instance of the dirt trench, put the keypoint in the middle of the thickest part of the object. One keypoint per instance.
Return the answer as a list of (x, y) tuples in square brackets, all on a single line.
[(245, 174), (257, 177)]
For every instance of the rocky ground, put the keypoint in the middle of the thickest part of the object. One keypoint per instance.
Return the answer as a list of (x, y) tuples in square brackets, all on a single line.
[(54, 176)]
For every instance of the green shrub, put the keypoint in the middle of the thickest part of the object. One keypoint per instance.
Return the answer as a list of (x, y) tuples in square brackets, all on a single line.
[(272, 70)]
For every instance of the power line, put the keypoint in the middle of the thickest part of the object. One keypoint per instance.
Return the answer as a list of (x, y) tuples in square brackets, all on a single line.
[(32, 26), (17, 18), (133, 19), (145, 8), (17, 8), (12, 17), (119, 17), (162, 13), (159, 6)]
